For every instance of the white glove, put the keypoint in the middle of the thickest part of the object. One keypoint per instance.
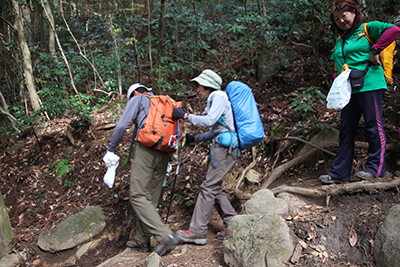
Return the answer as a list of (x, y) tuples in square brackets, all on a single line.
[(112, 161)]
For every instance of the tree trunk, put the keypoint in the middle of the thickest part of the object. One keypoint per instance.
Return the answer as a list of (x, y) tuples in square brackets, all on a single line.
[(26, 57), (47, 10), (52, 39), (161, 32), (149, 36), (118, 58), (37, 24)]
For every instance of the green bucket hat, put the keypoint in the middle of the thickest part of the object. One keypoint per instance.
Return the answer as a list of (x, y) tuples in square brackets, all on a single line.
[(209, 78)]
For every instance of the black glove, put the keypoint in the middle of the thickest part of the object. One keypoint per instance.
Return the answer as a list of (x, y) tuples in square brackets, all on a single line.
[(189, 139), (178, 113)]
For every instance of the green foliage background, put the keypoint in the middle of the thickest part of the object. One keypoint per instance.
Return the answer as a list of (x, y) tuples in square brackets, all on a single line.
[(192, 30)]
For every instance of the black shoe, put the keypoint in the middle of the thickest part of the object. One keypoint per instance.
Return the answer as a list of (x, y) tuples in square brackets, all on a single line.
[(327, 179), (165, 246), (364, 175), (137, 245)]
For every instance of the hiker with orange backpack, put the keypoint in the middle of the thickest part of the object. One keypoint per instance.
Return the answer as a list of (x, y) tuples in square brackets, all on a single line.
[(148, 169), (222, 158), (353, 50)]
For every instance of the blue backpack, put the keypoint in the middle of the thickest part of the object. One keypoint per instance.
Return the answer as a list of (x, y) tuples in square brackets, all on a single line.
[(247, 119)]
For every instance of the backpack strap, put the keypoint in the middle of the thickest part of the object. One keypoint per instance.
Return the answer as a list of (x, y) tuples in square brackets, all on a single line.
[(367, 35), (135, 130)]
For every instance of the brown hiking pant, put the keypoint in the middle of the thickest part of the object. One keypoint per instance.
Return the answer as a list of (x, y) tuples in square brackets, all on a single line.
[(148, 169), (211, 194)]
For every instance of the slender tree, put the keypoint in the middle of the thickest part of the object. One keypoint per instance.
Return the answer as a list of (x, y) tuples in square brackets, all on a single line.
[(26, 56), (149, 37), (47, 10), (114, 37), (161, 34)]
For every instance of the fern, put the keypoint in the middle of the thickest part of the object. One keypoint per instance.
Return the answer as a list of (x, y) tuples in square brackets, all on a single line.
[(62, 167)]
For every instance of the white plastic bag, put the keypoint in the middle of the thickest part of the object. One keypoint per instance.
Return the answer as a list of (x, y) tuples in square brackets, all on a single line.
[(340, 92), (109, 177), (112, 161)]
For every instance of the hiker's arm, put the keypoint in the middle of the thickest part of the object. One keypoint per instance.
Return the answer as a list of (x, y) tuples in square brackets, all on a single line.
[(204, 137), (128, 115), (213, 114), (387, 37), (335, 68)]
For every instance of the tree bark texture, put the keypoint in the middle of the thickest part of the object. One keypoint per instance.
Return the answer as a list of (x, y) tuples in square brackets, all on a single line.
[(26, 57)]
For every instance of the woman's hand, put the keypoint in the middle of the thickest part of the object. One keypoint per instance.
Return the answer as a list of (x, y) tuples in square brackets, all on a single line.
[(375, 59)]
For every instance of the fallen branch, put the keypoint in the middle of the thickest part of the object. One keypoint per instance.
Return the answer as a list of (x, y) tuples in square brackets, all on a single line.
[(70, 138), (104, 92), (334, 190), (106, 127)]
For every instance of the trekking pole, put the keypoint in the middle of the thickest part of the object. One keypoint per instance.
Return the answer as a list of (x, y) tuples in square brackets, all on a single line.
[(176, 175), (160, 199)]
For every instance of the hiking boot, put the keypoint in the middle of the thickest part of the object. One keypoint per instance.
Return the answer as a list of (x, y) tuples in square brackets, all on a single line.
[(137, 245), (327, 179), (364, 175), (222, 234), (189, 237), (166, 245)]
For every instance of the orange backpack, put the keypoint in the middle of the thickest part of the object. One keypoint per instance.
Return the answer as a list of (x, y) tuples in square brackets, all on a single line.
[(386, 56), (160, 130)]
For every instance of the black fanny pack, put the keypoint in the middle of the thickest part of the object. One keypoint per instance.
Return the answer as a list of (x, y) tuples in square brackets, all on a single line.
[(357, 78)]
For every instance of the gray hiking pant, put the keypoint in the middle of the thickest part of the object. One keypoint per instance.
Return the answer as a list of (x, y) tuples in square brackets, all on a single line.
[(148, 169), (211, 194)]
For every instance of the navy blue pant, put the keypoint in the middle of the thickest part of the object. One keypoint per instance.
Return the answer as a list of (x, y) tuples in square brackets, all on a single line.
[(369, 105)]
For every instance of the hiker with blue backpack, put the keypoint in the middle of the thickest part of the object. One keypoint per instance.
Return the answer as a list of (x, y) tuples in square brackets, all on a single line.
[(211, 194), (354, 51)]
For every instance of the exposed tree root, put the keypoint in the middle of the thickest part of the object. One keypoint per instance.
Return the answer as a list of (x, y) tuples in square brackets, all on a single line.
[(302, 158), (280, 138), (333, 190), (239, 194)]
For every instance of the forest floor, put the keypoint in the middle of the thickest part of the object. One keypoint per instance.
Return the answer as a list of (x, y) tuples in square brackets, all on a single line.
[(37, 199)]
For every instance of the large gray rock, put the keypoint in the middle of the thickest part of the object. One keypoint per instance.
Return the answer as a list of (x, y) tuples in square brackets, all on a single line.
[(253, 177), (74, 230), (258, 240), (295, 204), (264, 202), (12, 259), (262, 193), (266, 206), (153, 260), (387, 240), (6, 232)]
